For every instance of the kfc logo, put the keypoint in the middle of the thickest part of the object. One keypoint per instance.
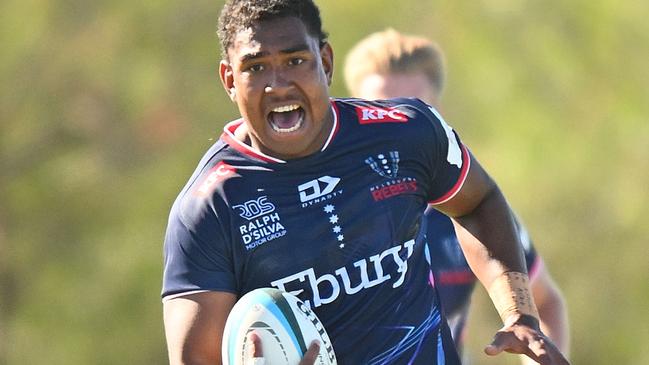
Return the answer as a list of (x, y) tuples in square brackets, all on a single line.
[(218, 173), (369, 115)]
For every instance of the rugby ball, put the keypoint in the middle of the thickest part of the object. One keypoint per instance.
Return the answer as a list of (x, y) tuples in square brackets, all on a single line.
[(284, 324)]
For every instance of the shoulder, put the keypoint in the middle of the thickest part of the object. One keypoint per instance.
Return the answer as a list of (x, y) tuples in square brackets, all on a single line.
[(198, 199), (398, 110), (408, 118)]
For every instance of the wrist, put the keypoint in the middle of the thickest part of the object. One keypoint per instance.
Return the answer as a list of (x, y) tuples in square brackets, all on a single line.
[(522, 319), (511, 295)]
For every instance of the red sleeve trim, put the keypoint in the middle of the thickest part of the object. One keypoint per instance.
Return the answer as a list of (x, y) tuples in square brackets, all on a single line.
[(466, 163), (533, 272)]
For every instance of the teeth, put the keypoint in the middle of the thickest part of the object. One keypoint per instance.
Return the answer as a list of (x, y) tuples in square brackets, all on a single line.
[(285, 108), (287, 130)]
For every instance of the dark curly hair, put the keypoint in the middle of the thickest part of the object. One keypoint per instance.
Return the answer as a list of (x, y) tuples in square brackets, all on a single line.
[(238, 15)]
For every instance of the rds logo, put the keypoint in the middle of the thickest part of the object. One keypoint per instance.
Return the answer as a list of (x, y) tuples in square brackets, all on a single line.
[(254, 208)]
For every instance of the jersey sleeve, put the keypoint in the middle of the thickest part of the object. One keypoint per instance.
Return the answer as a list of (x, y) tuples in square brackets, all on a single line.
[(448, 158), (533, 261), (197, 256)]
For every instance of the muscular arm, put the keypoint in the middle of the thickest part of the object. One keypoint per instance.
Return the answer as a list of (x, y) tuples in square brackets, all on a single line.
[(194, 327), (553, 317), (485, 226), (490, 242)]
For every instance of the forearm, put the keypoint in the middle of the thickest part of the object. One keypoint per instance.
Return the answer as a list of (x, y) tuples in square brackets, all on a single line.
[(554, 323), (194, 326), (552, 310), (491, 244), (489, 239), (488, 235)]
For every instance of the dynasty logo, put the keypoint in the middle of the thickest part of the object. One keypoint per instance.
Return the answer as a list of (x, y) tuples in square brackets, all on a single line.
[(318, 190)]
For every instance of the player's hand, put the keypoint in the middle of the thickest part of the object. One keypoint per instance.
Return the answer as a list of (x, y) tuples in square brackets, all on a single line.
[(256, 354), (522, 335), (311, 354)]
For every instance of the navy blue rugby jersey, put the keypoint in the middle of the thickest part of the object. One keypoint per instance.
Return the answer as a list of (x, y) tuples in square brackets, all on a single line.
[(453, 277), (339, 228)]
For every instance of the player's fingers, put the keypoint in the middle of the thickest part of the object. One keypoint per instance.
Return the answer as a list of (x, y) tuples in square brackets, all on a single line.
[(545, 353), (507, 341), (538, 351), (311, 354), (497, 345), (254, 350)]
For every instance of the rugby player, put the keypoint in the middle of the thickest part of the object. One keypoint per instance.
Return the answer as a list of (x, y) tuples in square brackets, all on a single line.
[(389, 64), (323, 197)]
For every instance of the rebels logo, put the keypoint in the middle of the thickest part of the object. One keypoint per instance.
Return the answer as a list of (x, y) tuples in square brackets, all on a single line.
[(393, 188), (386, 166), (218, 173), (369, 115), (318, 190)]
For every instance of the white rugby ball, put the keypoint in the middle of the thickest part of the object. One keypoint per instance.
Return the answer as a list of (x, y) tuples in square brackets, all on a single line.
[(284, 324)]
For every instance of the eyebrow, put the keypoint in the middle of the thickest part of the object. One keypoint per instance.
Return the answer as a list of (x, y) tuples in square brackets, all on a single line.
[(295, 49), (251, 56)]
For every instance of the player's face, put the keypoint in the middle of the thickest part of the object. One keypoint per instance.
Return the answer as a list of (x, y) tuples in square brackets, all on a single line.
[(416, 84), (279, 77)]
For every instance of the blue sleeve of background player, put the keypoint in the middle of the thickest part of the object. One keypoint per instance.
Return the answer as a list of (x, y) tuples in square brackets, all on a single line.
[(532, 259)]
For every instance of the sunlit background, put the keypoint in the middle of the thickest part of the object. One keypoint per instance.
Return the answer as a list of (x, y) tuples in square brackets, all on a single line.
[(106, 107)]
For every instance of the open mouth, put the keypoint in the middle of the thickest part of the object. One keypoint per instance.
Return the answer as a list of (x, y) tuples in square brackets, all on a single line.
[(287, 118)]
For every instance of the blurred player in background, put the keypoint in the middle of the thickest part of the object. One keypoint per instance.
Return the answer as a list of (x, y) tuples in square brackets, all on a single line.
[(389, 64)]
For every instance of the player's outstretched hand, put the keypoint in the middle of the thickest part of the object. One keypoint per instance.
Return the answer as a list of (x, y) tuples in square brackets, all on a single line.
[(256, 354), (522, 335)]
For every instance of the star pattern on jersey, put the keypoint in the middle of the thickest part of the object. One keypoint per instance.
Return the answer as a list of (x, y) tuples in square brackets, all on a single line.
[(336, 228)]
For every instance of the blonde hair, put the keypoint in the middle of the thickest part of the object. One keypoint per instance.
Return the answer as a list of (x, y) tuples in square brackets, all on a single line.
[(392, 52)]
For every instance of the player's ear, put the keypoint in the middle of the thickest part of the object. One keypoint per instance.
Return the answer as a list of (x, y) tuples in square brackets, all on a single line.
[(327, 57), (227, 79)]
